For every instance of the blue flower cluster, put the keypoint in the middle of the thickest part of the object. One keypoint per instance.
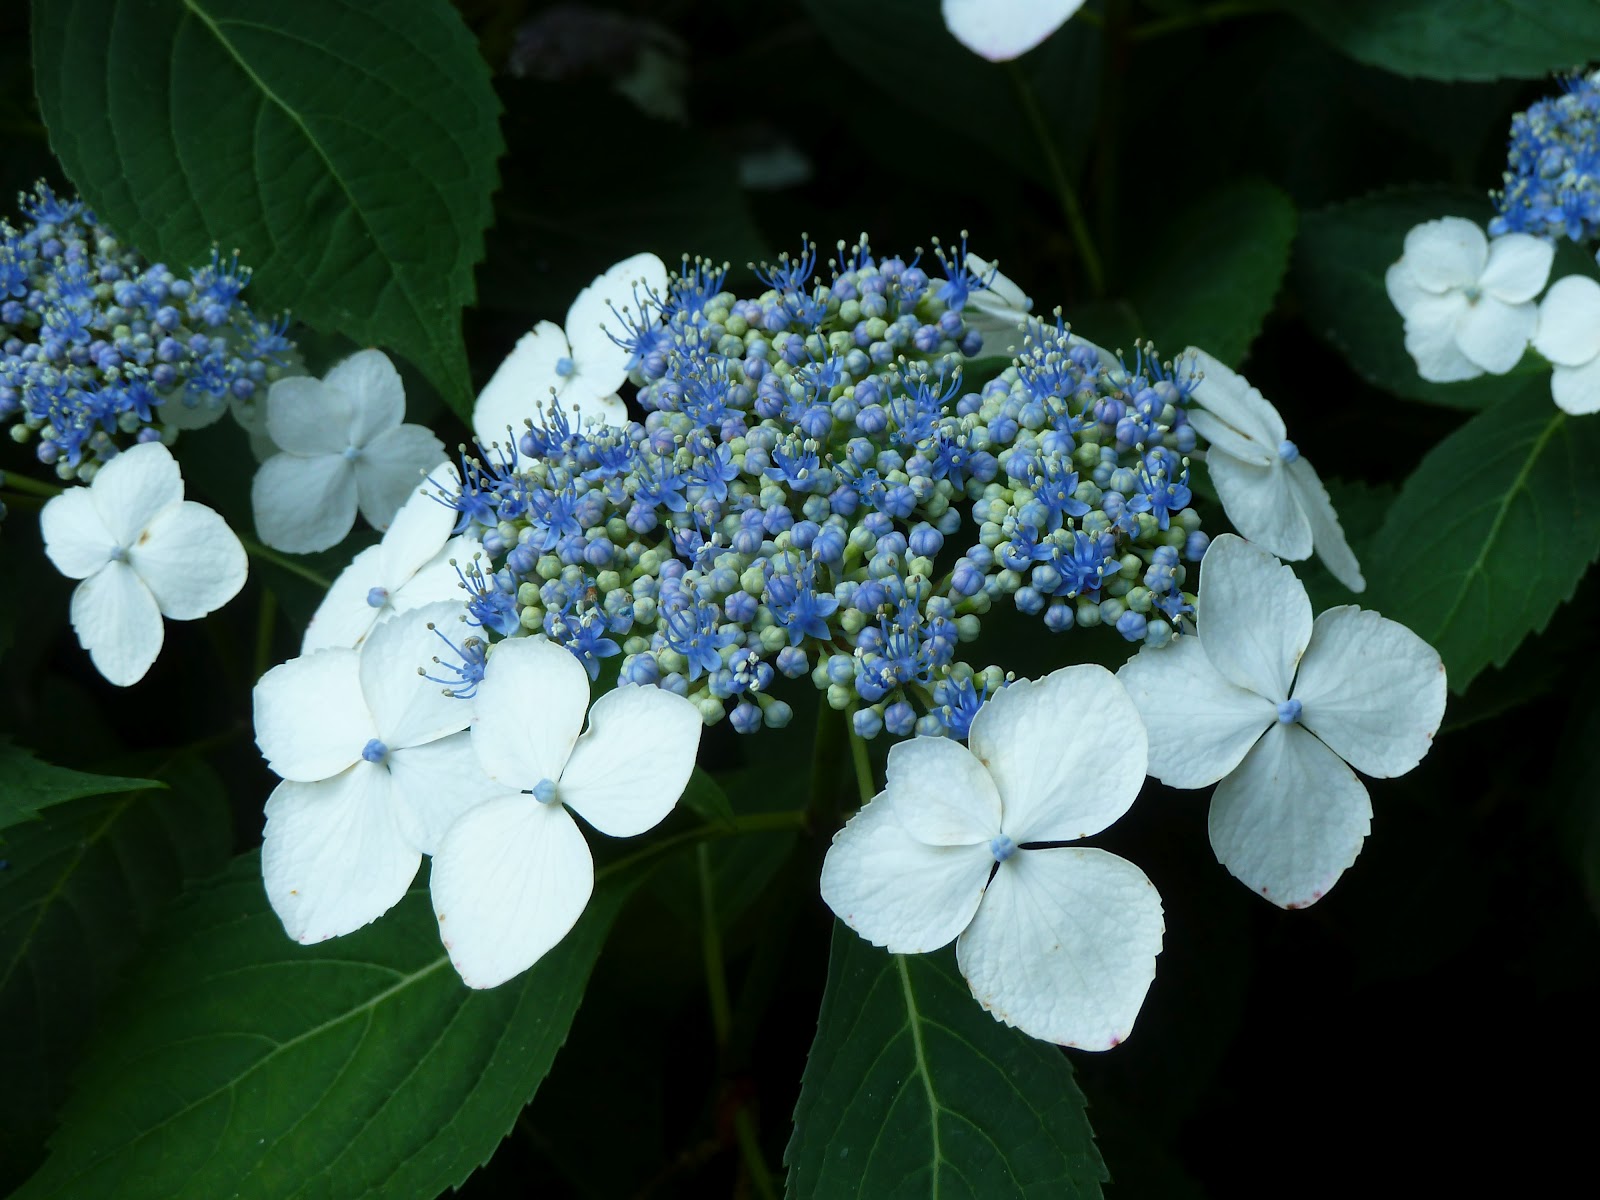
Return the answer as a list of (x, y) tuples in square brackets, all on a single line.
[(814, 490), (1552, 177), (98, 346)]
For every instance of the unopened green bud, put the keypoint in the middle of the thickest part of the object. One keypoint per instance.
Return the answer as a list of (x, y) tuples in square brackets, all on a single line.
[(1088, 613), (839, 696)]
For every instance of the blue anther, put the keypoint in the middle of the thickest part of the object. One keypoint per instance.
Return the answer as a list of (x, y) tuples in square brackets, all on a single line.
[(1002, 847), (374, 751), (1289, 711)]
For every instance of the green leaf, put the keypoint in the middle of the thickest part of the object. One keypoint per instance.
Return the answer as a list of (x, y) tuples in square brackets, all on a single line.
[(913, 1090), (1491, 533), (242, 1064), (28, 786), (1459, 39), (347, 151), (1340, 261), (706, 797), (81, 888)]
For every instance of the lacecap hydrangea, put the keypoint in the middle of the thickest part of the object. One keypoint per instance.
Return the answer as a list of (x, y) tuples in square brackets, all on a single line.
[(819, 487), (100, 349), (1552, 176)]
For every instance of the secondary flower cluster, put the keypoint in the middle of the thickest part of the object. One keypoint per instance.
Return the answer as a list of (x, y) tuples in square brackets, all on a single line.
[(99, 347), (1552, 177), (815, 489)]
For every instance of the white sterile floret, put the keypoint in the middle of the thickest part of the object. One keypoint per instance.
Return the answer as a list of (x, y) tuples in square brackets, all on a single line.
[(1000, 30), (410, 567), (1000, 311), (1275, 705), (1059, 941), (143, 553), (1569, 336), (581, 367), (1272, 495), (1467, 301), (343, 448), (376, 764), (513, 875)]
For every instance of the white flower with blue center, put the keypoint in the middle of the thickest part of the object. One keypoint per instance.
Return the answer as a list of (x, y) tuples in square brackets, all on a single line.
[(1001, 30), (343, 448), (143, 552), (964, 843), (513, 875), (376, 764), (1270, 492), (410, 567), (1278, 708), (582, 366), (1569, 336), (1467, 301)]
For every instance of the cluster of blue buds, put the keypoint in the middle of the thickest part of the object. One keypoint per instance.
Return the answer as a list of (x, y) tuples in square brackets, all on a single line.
[(98, 347), (817, 490), (1552, 177)]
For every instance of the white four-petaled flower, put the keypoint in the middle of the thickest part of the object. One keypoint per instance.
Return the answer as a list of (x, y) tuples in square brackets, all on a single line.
[(143, 553), (581, 367), (1274, 706), (1569, 336), (1000, 30), (513, 875), (999, 311), (1271, 494), (376, 764), (1467, 301), (1059, 941), (343, 448)]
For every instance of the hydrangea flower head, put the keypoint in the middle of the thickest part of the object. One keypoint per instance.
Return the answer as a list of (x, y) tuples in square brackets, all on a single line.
[(143, 552), (1569, 336), (1552, 176), (964, 844), (1278, 708)]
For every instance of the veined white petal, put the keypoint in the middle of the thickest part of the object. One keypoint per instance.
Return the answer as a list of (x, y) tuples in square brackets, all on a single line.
[(420, 528), (1577, 389), (1430, 339), (510, 879), (897, 892), (530, 708), (1447, 253), (1064, 945), (408, 709), (1518, 266), (1290, 818), (434, 784), (344, 617), (1226, 438), (307, 419), (941, 793), (1261, 504), (311, 718), (437, 579), (1000, 30), (304, 504), (1253, 616), (1494, 335), (624, 288), (1371, 689), (1568, 333), (75, 537), (136, 485), (118, 623), (389, 469), (334, 857), (191, 561), (377, 397), (628, 770), (520, 388), (1230, 397), (1001, 297), (1327, 535)]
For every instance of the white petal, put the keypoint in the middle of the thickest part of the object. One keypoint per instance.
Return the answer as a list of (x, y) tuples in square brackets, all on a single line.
[(308, 419), (1002, 297), (942, 794), (1229, 396), (304, 504), (434, 785), (118, 623), (390, 468), (897, 892), (191, 561), (587, 410), (1068, 753), (529, 710), (1064, 945), (376, 395), (1200, 725), (1226, 438), (133, 487), (1494, 335), (1000, 30), (344, 617), (177, 412), (520, 387), (510, 879), (75, 537), (1577, 389), (1518, 266), (1253, 615), (1371, 689), (1327, 536), (628, 770), (1261, 504), (1290, 819), (1405, 293), (311, 719), (1430, 339), (408, 709), (1569, 322), (1447, 253), (437, 580), (419, 529), (624, 288), (334, 857)]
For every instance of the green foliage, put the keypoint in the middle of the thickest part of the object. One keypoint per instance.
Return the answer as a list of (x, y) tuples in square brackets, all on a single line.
[(241, 1064), (1491, 533), (347, 151), (27, 785), (913, 1090), (706, 797), (1459, 39)]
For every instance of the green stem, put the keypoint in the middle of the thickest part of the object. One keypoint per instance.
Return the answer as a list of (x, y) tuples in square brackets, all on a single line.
[(822, 809), (744, 1129), (30, 486), (1065, 194), (257, 550), (711, 950), (863, 767), (18, 500), (266, 620), (1211, 14)]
